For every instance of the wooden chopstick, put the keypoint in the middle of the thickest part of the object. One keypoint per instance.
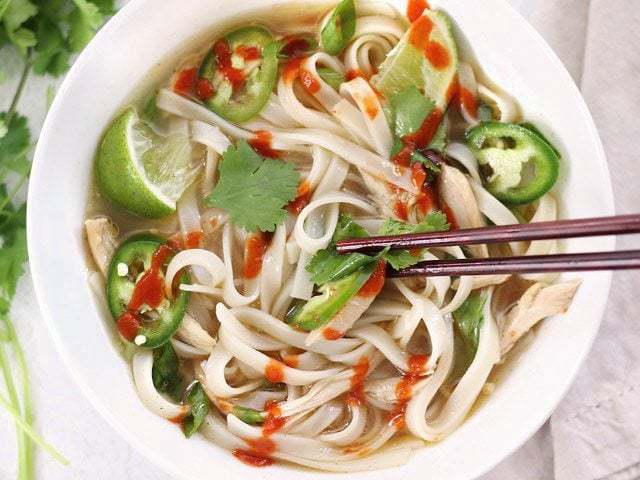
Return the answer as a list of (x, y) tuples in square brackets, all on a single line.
[(571, 262), (587, 227)]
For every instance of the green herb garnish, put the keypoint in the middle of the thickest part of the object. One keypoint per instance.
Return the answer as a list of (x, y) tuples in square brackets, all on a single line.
[(254, 190), (45, 33), (199, 402)]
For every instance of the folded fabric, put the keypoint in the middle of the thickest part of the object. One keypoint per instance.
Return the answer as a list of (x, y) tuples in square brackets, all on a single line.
[(595, 432)]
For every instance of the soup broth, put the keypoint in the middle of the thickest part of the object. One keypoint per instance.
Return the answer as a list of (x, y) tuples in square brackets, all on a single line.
[(221, 191)]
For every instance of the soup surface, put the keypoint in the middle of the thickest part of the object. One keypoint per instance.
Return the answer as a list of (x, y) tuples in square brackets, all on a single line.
[(220, 197)]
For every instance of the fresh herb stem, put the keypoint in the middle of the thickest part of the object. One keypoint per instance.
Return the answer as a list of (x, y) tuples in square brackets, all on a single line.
[(31, 433), (13, 192), (19, 89), (52, 40), (26, 454), (24, 472)]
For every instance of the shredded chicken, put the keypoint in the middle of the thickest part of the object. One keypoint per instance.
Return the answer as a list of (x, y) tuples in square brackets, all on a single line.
[(538, 302), (483, 281), (101, 235), (383, 196), (382, 391), (456, 193), (193, 334)]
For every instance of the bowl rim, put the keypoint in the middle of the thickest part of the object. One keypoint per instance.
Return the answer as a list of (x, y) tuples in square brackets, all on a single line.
[(37, 263)]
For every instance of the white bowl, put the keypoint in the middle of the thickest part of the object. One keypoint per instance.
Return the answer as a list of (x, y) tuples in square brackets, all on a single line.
[(141, 39)]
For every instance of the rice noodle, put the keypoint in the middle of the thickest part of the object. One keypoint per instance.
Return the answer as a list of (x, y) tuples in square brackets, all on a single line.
[(357, 57), (508, 112), (329, 392), (464, 395)]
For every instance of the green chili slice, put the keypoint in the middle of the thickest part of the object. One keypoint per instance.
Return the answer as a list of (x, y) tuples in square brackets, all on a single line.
[(135, 279), (239, 73), (518, 164)]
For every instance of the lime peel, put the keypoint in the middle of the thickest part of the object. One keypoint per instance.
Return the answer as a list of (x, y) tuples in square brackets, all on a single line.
[(142, 171)]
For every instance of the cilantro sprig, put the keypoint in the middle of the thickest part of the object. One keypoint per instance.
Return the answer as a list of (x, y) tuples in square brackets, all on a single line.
[(328, 265), (46, 33), (254, 190)]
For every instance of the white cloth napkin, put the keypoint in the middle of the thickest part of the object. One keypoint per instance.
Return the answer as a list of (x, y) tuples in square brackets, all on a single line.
[(595, 432)]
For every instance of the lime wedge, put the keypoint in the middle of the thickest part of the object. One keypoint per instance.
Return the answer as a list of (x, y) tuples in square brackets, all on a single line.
[(407, 65), (142, 171)]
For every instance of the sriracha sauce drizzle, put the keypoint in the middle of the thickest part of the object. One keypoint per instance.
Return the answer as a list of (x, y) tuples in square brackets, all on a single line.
[(468, 102), (331, 333), (309, 82), (302, 199), (254, 249), (185, 82), (149, 290), (404, 389), (262, 447), (274, 371), (434, 51), (222, 53), (416, 8), (355, 396), (376, 281), (261, 143)]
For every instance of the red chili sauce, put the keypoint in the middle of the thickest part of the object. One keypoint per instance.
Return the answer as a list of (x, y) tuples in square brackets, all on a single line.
[(222, 53), (376, 281), (355, 396), (404, 389), (149, 290), (254, 249), (416, 8), (185, 81), (302, 199), (261, 143)]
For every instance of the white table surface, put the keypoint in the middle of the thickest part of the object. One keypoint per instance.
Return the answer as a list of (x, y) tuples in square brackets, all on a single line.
[(64, 416)]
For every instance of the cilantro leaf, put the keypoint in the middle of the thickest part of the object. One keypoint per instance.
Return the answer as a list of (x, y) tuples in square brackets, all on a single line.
[(107, 7), (432, 167), (16, 14), (51, 53), (52, 30), (439, 141), (13, 255), (433, 222), (14, 146), (84, 22), (254, 190), (327, 265), (199, 403), (411, 108), (248, 415), (400, 259), (347, 228)]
